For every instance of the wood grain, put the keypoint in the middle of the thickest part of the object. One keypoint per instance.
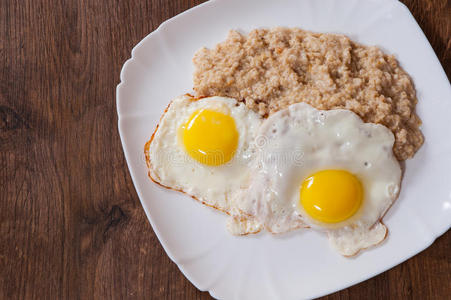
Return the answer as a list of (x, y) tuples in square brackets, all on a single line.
[(71, 225)]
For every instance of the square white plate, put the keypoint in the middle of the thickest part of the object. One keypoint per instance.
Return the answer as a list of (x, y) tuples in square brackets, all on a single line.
[(299, 264)]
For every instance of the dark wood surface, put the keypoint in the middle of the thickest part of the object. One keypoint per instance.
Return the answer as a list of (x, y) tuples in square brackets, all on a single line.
[(71, 225)]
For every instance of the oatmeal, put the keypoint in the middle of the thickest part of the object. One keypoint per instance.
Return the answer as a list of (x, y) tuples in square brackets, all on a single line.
[(271, 69)]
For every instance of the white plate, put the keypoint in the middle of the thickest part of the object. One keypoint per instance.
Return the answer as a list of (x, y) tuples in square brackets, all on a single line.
[(300, 264)]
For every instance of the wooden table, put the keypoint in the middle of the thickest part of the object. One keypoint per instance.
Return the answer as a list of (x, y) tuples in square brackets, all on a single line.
[(71, 224)]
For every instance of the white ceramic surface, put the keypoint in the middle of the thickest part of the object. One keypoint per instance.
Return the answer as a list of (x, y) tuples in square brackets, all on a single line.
[(299, 264)]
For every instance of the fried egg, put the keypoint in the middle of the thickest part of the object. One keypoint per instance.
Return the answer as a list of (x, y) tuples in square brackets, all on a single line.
[(204, 148), (323, 169)]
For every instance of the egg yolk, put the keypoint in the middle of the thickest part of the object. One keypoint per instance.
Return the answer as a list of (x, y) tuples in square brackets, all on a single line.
[(210, 137), (331, 196)]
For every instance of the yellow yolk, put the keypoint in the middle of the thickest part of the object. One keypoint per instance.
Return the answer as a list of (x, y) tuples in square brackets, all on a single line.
[(210, 137), (331, 196)]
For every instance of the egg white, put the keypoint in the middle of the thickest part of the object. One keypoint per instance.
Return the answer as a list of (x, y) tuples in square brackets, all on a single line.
[(300, 140), (171, 166)]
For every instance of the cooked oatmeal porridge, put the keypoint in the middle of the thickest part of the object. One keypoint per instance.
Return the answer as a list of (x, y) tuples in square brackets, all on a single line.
[(270, 69)]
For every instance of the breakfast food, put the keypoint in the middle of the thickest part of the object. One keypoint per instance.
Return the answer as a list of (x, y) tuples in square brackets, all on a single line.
[(325, 170), (291, 129), (203, 147), (269, 69)]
